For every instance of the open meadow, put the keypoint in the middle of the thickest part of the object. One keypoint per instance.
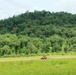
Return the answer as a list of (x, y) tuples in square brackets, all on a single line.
[(53, 65)]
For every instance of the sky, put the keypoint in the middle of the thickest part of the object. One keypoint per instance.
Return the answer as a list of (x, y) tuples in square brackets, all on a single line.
[(8, 8)]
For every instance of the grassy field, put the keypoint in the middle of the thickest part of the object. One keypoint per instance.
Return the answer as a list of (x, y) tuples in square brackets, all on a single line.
[(54, 65)]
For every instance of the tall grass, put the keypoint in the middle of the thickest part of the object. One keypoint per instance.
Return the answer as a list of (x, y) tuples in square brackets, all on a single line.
[(39, 67)]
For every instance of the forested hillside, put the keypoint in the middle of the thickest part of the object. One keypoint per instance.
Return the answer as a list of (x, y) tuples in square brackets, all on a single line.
[(38, 32)]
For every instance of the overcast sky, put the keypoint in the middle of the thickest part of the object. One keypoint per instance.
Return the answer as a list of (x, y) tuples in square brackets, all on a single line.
[(9, 8)]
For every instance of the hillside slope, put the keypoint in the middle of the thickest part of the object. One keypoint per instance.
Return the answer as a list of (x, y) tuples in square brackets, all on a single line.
[(38, 32)]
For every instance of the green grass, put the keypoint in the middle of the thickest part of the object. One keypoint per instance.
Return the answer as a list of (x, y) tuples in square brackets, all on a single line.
[(39, 67)]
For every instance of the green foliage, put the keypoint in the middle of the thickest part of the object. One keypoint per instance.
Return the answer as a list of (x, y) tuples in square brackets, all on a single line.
[(6, 50), (38, 32)]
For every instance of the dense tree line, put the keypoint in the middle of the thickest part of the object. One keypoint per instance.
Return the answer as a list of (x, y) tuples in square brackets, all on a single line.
[(13, 44), (38, 32)]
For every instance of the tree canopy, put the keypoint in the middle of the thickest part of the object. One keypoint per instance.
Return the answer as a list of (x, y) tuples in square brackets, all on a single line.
[(38, 32)]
